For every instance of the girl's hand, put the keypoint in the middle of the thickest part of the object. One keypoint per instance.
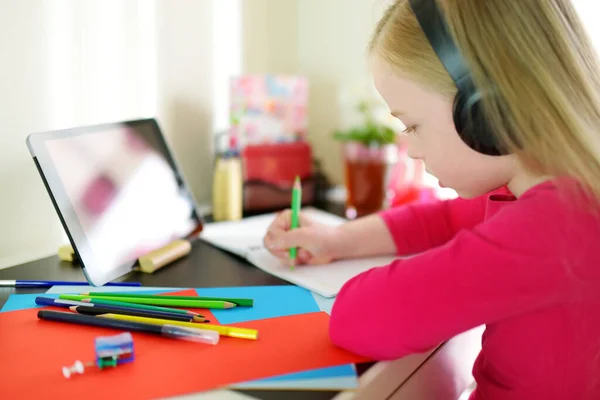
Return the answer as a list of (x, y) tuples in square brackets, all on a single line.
[(316, 242)]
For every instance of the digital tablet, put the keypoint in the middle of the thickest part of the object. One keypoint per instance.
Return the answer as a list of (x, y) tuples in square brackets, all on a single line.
[(118, 193)]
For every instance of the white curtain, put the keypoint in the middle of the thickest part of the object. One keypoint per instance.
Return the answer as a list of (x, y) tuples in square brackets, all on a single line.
[(66, 63), (63, 63), (101, 60)]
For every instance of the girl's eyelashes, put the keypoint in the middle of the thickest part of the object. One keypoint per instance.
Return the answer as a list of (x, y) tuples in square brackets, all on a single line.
[(410, 130)]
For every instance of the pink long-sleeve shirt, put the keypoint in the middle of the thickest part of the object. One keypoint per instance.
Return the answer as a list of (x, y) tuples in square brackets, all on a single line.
[(527, 268)]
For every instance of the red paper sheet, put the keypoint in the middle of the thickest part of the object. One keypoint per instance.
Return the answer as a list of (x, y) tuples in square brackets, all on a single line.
[(34, 351)]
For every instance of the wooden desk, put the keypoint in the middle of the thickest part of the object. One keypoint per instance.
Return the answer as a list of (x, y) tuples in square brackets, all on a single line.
[(207, 266)]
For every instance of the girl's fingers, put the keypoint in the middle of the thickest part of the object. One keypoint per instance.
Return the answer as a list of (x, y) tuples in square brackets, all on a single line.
[(269, 240), (303, 256), (283, 220), (279, 223), (305, 220), (282, 255), (319, 260)]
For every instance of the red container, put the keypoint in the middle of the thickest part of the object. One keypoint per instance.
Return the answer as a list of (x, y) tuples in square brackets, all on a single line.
[(269, 173)]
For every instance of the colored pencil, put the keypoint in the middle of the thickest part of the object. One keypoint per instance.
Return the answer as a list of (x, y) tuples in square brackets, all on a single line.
[(157, 301), (92, 309), (21, 283), (131, 305), (232, 331), (296, 204), (106, 309), (168, 330), (236, 301)]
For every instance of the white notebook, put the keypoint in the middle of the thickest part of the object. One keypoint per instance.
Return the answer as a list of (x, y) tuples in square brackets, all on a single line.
[(245, 238)]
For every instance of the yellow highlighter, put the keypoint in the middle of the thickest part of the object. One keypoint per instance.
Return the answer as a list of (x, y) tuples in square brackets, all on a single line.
[(231, 331)]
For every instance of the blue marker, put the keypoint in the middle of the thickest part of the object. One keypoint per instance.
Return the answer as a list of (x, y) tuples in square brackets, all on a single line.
[(20, 283), (50, 301)]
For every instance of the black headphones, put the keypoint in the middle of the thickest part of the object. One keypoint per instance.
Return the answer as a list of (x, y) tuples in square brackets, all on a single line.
[(469, 118)]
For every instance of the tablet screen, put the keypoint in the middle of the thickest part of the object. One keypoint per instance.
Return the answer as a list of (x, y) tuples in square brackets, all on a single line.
[(123, 190)]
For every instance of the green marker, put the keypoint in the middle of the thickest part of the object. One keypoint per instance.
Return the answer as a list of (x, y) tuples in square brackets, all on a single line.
[(296, 204), (159, 302), (238, 302)]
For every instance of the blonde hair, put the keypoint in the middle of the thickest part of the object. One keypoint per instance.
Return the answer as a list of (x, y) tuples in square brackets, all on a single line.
[(537, 62)]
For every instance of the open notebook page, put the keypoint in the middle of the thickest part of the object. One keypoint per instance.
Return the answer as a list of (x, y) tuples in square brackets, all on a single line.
[(325, 279), (245, 236), (237, 237)]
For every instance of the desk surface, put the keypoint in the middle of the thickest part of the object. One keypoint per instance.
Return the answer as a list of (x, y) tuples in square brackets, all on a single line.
[(442, 373), (205, 266)]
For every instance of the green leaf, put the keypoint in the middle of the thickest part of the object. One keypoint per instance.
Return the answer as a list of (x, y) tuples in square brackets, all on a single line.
[(368, 134)]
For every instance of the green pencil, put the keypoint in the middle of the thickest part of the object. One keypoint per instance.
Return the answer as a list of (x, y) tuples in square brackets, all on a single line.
[(157, 301), (130, 305), (296, 204), (238, 302)]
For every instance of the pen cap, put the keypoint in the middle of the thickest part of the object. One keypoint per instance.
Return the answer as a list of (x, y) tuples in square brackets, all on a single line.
[(191, 334)]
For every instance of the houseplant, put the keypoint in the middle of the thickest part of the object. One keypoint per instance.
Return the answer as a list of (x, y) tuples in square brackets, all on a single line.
[(366, 148)]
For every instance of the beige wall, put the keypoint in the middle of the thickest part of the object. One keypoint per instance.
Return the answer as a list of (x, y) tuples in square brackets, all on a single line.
[(332, 40), (185, 87), (50, 80), (322, 39), (270, 36), (26, 214)]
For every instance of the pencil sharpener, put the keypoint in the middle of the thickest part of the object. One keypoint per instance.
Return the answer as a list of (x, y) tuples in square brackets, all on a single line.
[(114, 350)]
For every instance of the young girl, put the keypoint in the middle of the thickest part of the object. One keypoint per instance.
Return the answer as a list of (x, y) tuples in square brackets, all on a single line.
[(516, 132)]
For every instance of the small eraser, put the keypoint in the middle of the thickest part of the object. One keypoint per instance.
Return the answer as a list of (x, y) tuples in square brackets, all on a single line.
[(66, 253)]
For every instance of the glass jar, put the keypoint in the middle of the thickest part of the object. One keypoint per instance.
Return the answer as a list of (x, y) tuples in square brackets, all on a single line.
[(366, 170)]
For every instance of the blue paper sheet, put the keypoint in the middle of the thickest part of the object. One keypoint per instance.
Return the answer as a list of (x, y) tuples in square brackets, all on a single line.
[(329, 372), (336, 378), (324, 303), (328, 384), (25, 301), (269, 302)]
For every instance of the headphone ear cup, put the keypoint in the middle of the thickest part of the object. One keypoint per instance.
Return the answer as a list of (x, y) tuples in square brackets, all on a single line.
[(470, 123)]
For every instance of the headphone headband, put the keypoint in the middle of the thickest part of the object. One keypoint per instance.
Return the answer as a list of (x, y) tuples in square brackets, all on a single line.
[(468, 113), (435, 28)]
